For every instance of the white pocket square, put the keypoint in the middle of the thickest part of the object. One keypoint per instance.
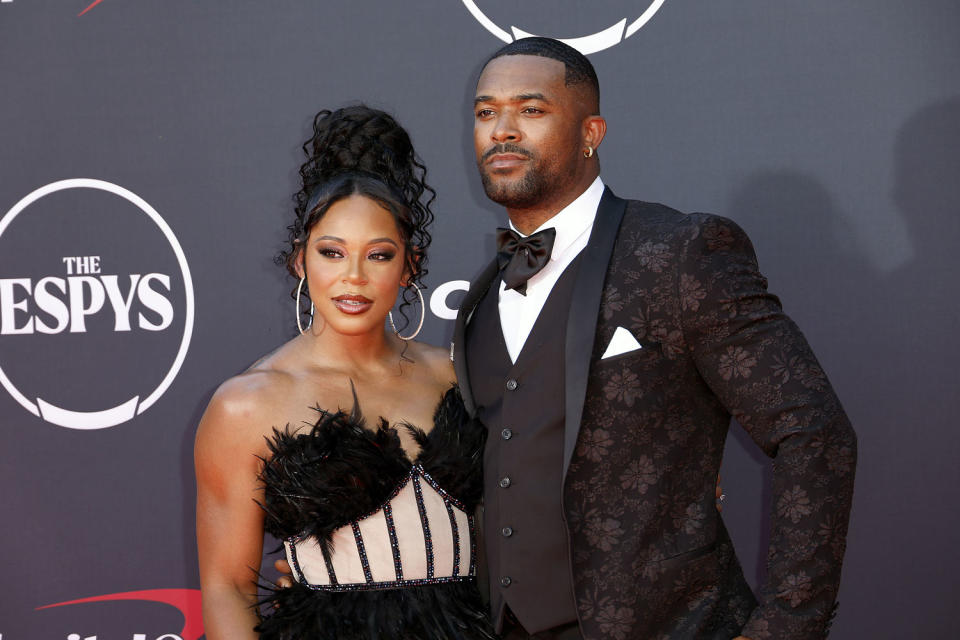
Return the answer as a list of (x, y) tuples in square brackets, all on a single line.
[(621, 342)]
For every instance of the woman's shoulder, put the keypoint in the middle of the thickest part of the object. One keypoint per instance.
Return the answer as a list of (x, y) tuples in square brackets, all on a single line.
[(248, 406), (242, 410), (436, 360), (270, 390), (251, 394)]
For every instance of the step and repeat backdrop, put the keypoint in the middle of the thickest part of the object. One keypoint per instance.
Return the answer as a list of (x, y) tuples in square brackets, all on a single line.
[(149, 151)]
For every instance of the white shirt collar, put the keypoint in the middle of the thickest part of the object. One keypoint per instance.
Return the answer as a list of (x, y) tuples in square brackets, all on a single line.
[(573, 220)]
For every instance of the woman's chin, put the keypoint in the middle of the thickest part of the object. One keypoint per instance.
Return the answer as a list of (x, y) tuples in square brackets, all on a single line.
[(356, 326)]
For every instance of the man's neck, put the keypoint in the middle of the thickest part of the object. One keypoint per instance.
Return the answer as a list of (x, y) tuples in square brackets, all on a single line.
[(528, 220)]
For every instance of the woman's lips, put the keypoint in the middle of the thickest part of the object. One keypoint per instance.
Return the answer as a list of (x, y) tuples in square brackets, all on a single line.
[(352, 304)]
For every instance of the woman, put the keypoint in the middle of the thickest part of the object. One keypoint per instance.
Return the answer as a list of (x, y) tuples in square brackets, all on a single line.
[(375, 513)]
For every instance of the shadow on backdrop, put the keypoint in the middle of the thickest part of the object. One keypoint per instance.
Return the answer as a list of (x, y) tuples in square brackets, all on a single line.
[(908, 514), (807, 252), (889, 343)]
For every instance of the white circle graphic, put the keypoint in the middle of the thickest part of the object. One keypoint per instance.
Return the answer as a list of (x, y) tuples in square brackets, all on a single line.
[(438, 301), (591, 43), (134, 406)]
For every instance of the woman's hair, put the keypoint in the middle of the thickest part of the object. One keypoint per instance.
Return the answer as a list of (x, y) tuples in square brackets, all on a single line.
[(358, 150)]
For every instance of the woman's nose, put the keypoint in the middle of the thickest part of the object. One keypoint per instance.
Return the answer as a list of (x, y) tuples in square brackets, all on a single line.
[(355, 271)]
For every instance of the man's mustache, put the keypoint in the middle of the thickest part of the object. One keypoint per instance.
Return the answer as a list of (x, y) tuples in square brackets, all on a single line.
[(505, 147)]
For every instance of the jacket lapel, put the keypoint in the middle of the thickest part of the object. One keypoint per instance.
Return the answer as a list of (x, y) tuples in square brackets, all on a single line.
[(582, 318), (458, 349)]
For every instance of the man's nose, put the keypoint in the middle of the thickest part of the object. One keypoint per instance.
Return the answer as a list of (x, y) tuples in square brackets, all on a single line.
[(505, 129)]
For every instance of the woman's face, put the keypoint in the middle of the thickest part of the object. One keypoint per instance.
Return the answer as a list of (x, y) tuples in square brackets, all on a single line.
[(355, 266)]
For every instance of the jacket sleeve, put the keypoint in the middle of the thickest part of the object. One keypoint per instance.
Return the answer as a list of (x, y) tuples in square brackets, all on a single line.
[(757, 362)]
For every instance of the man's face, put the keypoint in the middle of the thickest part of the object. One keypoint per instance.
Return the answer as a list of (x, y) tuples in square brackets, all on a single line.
[(527, 131)]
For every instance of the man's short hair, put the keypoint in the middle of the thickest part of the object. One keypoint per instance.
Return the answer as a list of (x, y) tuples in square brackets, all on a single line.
[(577, 69)]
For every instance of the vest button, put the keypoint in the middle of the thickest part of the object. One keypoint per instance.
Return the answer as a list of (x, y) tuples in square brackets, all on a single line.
[(505, 581), (504, 482), (512, 385), (506, 532), (506, 434)]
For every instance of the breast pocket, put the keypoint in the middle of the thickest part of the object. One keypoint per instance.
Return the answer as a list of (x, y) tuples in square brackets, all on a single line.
[(649, 353)]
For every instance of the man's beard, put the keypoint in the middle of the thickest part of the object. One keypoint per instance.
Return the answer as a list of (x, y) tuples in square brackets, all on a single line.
[(524, 193)]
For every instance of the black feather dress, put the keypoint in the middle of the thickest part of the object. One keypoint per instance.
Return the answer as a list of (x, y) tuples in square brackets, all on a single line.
[(381, 546)]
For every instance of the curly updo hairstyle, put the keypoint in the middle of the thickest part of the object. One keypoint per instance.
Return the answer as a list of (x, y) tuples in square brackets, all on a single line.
[(358, 150)]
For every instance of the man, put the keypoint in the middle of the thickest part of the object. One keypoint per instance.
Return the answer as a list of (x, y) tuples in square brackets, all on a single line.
[(606, 349)]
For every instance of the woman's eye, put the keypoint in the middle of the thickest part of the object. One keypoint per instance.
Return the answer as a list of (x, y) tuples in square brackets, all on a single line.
[(382, 255), (330, 253)]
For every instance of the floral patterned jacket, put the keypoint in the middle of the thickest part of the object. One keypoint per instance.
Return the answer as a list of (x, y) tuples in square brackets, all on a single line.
[(646, 429)]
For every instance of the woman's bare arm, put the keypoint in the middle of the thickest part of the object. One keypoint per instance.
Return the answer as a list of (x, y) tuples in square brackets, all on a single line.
[(229, 521)]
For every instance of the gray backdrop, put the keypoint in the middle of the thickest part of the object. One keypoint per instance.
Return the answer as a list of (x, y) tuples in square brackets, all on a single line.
[(830, 131)]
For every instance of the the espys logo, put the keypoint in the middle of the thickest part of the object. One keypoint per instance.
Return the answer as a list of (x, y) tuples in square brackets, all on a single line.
[(599, 40), (96, 304)]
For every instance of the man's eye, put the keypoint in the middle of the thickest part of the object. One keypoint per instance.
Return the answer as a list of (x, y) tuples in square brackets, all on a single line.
[(483, 113), (532, 110)]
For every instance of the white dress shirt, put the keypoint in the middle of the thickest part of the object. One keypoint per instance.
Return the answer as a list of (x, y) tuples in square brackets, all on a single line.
[(573, 223)]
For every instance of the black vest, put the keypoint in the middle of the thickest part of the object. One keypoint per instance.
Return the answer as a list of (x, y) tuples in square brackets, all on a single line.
[(522, 406)]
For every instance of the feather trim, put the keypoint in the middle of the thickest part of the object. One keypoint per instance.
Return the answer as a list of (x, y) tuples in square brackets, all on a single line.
[(339, 470), (451, 611)]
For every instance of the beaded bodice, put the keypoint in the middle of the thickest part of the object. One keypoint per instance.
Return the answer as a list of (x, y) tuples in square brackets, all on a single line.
[(421, 535), (355, 513)]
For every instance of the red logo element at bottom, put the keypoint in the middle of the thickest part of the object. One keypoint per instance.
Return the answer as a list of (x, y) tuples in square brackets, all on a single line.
[(187, 601), (96, 2)]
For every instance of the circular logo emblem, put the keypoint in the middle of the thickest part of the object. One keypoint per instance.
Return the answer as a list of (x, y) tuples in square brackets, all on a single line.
[(96, 304), (602, 37)]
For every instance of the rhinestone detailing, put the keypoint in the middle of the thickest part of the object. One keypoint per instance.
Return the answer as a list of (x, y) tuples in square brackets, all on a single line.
[(425, 523), (432, 540), (473, 544), (362, 551), (394, 545), (455, 529)]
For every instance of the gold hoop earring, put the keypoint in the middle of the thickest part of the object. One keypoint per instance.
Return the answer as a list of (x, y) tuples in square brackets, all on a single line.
[(588, 152), (299, 323), (423, 315)]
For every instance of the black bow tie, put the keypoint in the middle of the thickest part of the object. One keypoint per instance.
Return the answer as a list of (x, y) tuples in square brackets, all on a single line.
[(520, 258)]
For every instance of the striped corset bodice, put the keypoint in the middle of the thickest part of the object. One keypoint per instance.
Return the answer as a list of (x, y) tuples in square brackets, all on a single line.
[(356, 513), (420, 535)]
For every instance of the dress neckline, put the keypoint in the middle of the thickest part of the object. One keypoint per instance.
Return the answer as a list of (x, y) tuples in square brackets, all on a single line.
[(385, 428)]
